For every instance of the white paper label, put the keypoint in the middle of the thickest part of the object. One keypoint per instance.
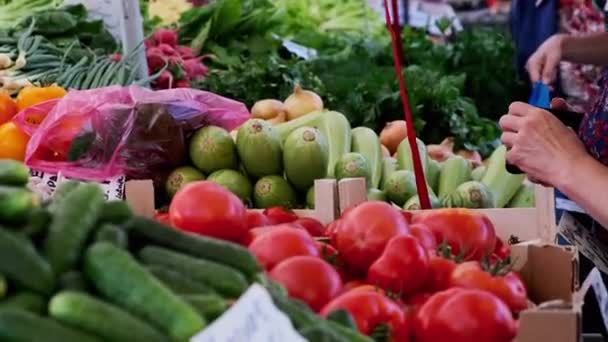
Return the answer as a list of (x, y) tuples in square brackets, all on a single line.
[(587, 243), (44, 184), (110, 11), (253, 318)]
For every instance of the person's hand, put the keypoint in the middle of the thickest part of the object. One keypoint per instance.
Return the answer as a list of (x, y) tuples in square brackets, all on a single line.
[(542, 65), (539, 144)]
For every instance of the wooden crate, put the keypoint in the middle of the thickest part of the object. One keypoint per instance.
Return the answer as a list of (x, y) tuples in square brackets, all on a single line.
[(536, 223), (140, 195)]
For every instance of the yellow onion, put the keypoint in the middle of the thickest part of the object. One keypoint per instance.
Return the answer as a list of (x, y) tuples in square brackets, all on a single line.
[(473, 157), (267, 109), (278, 119), (302, 102)]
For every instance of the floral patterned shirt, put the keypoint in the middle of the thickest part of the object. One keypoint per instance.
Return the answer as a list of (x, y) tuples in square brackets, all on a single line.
[(594, 128)]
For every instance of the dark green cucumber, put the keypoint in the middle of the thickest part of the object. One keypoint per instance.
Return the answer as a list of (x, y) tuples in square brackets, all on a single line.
[(121, 279), (23, 265), (73, 280), (342, 317), (224, 279), (28, 301), (303, 317), (102, 319), (321, 334), (37, 222), (73, 221), (16, 203), (178, 282), (13, 172), (22, 326), (3, 286), (209, 305), (111, 233), (61, 192), (220, 251), (115, 212)]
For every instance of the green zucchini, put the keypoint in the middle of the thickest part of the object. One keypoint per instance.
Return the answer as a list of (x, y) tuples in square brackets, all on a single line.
[(102, 319), (503, 184), (25, 300), (220, 251), (13, 172), (73, 221), (224, 279), (121, 279), (472, 195), (22, 326), (74, 281), (111, 233), (178, 282), (16, 203), (366, 142), (209, 305), (405, 158), (389, 165), (115, 212), (524, 197), (432, 176), (478, 173), (454, 172), (23, 265)]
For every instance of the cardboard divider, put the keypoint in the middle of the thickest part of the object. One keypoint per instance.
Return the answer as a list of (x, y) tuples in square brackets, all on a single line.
[(523, 223), (551, 276)]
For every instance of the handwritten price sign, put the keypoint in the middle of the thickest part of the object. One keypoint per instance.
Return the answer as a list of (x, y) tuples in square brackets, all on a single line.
[(253, 318)]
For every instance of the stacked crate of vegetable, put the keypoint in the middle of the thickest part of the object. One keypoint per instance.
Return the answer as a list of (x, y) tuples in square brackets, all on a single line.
[(78, 268)]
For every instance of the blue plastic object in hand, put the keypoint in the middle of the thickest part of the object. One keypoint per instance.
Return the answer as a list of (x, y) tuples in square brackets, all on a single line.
[(540, 96)]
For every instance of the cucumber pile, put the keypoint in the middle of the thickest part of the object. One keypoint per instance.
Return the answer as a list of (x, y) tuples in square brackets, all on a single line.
[(78, 268)]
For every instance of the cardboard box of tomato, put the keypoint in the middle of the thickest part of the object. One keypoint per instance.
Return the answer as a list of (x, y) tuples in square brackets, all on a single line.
[(548, 271)]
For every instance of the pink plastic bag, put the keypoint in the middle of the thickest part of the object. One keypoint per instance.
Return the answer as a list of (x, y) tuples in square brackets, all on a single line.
[(103, 133)]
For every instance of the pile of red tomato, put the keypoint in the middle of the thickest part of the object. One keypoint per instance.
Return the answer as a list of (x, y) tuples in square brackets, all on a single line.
[(387, 268)]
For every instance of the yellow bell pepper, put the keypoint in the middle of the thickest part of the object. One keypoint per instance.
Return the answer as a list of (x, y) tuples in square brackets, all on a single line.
[(31, 96)]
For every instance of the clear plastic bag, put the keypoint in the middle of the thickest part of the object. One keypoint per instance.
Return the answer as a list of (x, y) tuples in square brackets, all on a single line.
[(102, 133)]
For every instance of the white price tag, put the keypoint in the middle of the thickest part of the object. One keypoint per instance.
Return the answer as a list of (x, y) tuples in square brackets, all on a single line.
[(44, 184), (253, 318), (113, 188)]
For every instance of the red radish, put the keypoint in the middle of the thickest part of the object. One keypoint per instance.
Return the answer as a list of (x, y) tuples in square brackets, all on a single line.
[(186, 52), (149, 43), (195, 68), (182, 84), (156, 59), (166, 36), (167, 50), (164, 80), (116, 57)]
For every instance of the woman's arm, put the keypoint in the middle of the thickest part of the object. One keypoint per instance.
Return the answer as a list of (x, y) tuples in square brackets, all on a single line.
[(587, 49), (586, 183)]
